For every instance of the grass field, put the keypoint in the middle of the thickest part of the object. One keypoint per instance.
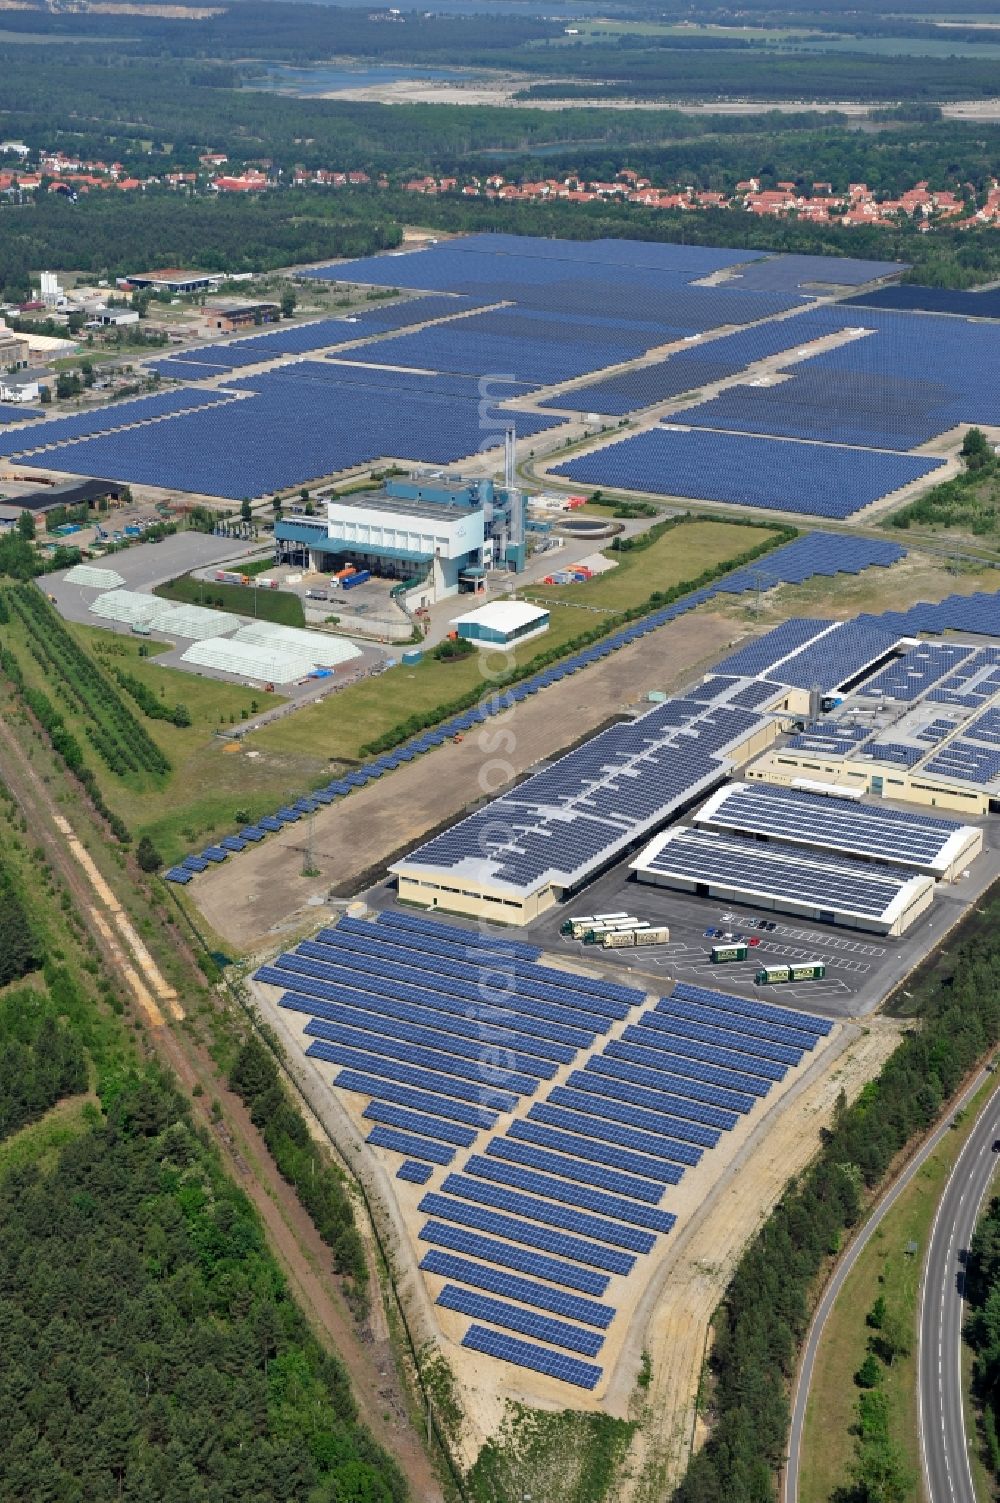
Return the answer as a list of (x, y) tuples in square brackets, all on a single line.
[(885, 1267), (682, 553), (266, 605)]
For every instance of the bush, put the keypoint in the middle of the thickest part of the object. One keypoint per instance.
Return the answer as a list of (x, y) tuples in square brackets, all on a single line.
[(148, 856)]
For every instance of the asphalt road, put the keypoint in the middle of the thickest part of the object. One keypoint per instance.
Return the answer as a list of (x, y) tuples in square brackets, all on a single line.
[(943, 1442), (985, 1127)]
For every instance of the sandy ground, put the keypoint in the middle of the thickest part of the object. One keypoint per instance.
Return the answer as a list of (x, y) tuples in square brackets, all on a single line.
[(500, 89), (262, 897), (664, 1306), (705, 1251)]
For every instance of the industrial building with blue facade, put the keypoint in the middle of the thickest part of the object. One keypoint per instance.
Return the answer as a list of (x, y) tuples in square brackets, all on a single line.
[(443, 532)]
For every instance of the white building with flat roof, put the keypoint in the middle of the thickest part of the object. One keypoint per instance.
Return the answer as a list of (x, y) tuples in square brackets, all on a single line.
[(502, 623)]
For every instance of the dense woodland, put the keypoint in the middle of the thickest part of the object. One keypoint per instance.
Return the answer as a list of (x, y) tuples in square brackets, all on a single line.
[(982, 1330), (42, 1058), (20, 952), (763, 1318), (151, 1348)]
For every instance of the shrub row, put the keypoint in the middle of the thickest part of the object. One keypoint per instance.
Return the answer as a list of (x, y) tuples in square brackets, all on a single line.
[(149, 704), (320, 1188), (63, 742), (119, 739)]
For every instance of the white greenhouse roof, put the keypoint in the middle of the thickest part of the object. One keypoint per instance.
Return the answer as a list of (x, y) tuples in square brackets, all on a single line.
[(93, 579), (268, 665), (134, 608), (323, 650)]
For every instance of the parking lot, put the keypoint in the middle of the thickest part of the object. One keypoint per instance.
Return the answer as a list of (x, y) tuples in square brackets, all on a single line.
[(861, 968)]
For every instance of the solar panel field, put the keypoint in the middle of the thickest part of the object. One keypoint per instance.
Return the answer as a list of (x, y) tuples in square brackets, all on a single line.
[(525, 315)]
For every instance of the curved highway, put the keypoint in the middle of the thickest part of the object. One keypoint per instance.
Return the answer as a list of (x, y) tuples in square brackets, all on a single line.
[(944, 1446), (800, 1397)]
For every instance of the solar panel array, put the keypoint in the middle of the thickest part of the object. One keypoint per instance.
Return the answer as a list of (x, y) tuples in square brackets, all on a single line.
[(909, 298), (905, 838), (288, 431), (319, 334), (135, 414), (768, 474), (13, 412), (817, 553), (527, 1233), (780, 872)]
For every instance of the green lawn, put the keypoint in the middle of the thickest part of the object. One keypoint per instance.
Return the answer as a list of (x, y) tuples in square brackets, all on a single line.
[(682, 553), (266, 605), (883, 1268)]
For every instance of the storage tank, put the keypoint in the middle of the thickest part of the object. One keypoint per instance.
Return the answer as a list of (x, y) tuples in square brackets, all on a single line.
[(412, 655)]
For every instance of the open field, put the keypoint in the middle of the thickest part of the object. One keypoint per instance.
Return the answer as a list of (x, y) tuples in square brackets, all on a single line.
[(681, 553), (884, 1268)]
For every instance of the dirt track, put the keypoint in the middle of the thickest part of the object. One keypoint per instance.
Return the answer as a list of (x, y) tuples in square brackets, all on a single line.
[(303, 1256), (254, 901)]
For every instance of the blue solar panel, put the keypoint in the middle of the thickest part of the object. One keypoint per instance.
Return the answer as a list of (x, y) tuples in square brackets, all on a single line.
[(417, 1174), (788, 1017), (655, 1101), (429, 1059), (415, 1122), (514, 1318), (573, 1144), (551, 1187), (542, 1209), (514, 1229), (526, 1291), (541, 1266), (565, 1166), (375, 1064), (764, 473), (419, 1101), (413, 1147), (525, 1354)]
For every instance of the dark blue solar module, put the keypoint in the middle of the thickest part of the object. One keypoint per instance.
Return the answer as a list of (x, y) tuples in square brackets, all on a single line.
[(566, 1166), (766, 652), (107, 420), (768, 474), (526, 1354), (514, 1318), (416, 1173), (419, 1101), (12, 412), (541, 1208), (392, 1069), (660, 1103), (526, 1291), (782, 273), (539, 1265), (816, 553), (413, 1147), (906, 297), (552, 1187), (416, 1122), (432, 1059), (787, 1017), (178, 874), (514, 1229), (229, 449), (598, 1152)]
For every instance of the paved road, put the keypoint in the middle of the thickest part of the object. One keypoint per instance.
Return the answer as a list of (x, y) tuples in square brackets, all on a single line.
[(943, 1442), (800, 1398)]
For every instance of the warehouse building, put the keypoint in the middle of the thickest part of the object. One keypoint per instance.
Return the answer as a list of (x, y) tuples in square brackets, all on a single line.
[(785, 878), (502, 623), (553, 833), (837, 821), (441, 533)]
